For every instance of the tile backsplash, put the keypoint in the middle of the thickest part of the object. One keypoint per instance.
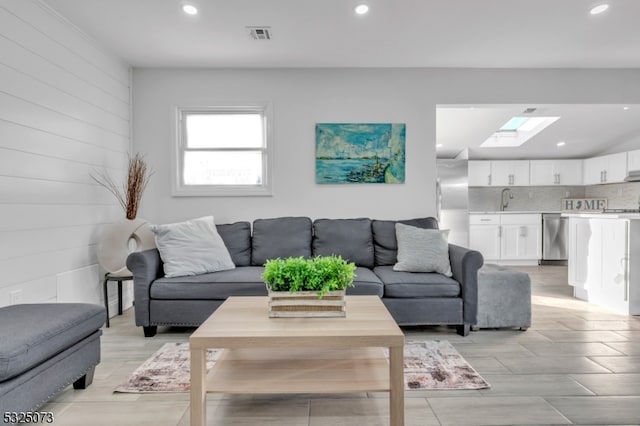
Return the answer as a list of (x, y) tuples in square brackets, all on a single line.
[(549, 198), (525, 198), (618, 195)]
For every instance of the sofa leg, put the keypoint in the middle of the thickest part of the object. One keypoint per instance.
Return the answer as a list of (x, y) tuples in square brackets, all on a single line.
[(84, 381), (463, 329), (150, 331)]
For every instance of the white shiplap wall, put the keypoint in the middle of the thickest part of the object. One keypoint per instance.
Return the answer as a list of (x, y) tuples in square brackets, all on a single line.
[(64, 112)]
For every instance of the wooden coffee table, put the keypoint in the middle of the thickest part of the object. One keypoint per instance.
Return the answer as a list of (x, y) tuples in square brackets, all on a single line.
[(265, 355)]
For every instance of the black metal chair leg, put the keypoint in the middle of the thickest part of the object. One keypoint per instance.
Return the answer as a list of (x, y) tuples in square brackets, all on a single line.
[(119, 297), (106, 297)]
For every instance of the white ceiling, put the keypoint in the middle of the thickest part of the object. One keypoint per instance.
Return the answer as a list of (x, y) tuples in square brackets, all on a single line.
[(395, 33), (587, 130)]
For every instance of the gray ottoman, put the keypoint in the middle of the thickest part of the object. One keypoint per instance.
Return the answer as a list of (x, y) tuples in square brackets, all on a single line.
[(504, 298), (44, 348)]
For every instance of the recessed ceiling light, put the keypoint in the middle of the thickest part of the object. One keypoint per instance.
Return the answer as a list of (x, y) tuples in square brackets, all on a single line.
[(599, 9), (190, 9), (361, 9), (438, 145), (561, 143), (626, 108)]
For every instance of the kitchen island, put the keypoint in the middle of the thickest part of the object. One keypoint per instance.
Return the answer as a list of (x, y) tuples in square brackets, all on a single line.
[(604, 254)]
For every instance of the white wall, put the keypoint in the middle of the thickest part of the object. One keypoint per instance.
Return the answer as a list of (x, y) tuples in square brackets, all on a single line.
[(64, 112), (303, 97), (300, 99)]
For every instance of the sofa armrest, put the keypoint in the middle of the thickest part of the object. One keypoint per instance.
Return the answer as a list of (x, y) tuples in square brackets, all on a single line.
[(464, 265), (145, 266)]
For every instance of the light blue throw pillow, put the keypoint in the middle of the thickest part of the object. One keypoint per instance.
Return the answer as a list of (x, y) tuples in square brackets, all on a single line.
[(422, 250), (191, 248)]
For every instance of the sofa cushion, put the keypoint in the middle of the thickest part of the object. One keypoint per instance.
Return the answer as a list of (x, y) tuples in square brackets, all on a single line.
[(366, 283), (237, 239), (422, 250), (33, 333), (416, 284), (244, 281), (384, 237), (191, 247), (280, 237), (349, 238)]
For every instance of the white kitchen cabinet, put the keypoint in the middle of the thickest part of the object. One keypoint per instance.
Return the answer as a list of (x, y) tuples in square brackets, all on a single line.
[(510, 173), (579, 236), (486, 240), (479, 173), (592, 170), (521, 236), (599, 267), (610, 168), (616, 167), (633, 160), (555, 172), (507, 238), (615, 281), (485, 236)]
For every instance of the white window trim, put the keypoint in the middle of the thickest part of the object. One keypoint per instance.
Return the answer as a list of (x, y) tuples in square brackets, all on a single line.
[(179, 189)]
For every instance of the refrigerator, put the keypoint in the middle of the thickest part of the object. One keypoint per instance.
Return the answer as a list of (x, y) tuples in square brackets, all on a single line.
[(452, 199)]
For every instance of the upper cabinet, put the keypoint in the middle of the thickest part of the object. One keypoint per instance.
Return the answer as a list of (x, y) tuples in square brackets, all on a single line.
[(479, 173), (633, 160), (610, 168), (510, 173), (605, 169), (555, 172), (499, 173)]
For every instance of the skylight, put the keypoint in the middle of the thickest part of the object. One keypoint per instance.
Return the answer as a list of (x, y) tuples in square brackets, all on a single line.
[(517, 131), (514, 123)]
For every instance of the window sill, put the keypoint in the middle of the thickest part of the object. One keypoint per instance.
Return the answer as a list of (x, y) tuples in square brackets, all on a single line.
[(231, 191)]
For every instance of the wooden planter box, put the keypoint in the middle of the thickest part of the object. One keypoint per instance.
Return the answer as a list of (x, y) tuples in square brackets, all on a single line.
[(284, 304)]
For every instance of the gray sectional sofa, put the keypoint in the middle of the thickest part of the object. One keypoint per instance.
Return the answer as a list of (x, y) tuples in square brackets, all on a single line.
[(411, 298)]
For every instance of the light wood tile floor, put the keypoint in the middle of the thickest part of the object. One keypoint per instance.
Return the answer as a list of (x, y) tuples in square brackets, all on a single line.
[(577, 364)]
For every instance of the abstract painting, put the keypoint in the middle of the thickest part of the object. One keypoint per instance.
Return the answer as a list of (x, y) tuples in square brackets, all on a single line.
[(360, 152)]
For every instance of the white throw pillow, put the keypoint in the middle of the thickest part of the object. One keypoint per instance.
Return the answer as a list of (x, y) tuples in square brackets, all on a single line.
[(192, 247), (422, 250)]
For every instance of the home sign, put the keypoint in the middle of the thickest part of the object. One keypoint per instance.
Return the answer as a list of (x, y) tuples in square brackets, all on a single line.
[(584, 204)]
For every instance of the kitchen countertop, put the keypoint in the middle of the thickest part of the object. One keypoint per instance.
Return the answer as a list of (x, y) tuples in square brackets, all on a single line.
[(572, 214), (597, 215), (517, 212)]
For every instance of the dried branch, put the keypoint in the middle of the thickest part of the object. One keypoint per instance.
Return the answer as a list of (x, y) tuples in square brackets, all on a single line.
[(130, 194)]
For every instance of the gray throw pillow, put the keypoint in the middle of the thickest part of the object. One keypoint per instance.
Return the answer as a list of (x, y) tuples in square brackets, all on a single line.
[(422, 250), (191, 248)]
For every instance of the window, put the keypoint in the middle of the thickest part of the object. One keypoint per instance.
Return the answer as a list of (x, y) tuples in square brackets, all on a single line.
[(222, 151), (517, 131)]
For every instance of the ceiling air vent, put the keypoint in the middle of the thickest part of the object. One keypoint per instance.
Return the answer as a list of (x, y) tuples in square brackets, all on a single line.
[(529, 110), (259, 33)]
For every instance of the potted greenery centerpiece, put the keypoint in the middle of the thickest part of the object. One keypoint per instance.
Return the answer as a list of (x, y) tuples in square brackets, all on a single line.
[(314, 287)]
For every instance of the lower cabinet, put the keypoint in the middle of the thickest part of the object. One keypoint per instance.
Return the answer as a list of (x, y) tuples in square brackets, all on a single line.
[(599, 268), (507, 238), (485, 239)]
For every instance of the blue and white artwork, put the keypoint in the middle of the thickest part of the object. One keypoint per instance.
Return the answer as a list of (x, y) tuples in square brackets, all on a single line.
[(360, 152)]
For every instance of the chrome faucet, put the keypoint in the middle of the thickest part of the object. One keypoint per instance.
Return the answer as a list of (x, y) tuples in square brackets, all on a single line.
[(504, 202)]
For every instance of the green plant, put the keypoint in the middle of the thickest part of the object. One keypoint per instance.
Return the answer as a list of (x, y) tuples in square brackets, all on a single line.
[(321, 274)]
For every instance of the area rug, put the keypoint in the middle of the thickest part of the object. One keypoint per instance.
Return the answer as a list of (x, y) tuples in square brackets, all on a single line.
[(428, 365)]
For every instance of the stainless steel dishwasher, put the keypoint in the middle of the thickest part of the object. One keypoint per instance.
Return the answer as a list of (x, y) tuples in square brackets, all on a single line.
[(555, 239)]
